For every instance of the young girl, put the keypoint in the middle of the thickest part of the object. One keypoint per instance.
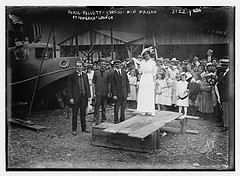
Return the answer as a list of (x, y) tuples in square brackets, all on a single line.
[(158, 88), (174, 90), (133, 87), (166, 96), (182, 94), (194, 89)]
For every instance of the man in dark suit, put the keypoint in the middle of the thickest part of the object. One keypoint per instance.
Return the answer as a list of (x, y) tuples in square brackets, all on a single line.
[(120, 90), (223, 88), (78, 92), (101, 90)]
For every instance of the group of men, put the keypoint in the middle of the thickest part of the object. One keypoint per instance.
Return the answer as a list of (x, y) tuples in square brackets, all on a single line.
[(105, 83)]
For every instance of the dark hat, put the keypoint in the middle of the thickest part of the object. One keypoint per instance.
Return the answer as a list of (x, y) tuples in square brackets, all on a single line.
[(117, 61)]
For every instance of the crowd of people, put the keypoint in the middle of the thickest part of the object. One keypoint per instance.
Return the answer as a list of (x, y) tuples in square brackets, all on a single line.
[(197, 87)]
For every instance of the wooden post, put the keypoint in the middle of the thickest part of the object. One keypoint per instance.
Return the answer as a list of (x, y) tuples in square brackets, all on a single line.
[(183, 125), (90, 46), (154, 43), (39, 72), (54, 43), (111, 32), (77, 47), (143, 43)]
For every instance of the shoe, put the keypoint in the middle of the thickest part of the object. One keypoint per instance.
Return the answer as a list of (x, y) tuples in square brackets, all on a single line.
[(104, 121), (86, 131), (74, 133)]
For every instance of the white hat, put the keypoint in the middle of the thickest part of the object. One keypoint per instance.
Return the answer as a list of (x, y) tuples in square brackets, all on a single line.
[(174, 59), (149, 49)]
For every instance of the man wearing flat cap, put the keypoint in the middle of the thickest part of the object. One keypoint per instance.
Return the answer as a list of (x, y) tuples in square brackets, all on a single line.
[(120, 91), (101, 91)]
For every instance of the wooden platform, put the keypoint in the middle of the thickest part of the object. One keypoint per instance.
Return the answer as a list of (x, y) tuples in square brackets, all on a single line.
[(139, 133)]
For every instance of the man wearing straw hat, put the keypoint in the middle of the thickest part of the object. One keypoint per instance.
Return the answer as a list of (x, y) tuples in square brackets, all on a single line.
[(223, 88)]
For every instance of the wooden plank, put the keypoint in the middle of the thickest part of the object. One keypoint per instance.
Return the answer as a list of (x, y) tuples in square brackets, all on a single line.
[(170, 129), (192, 131), (177, 130), (188, 117), (28, 125), (152, 127), (144, 120), (126, 123), (104, 125), (136, 119)]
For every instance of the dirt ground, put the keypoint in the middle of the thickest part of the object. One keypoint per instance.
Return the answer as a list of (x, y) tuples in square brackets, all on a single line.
[(57, 148)]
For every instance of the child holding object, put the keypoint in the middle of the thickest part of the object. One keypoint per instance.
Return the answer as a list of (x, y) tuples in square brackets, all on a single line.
[(182, 94)]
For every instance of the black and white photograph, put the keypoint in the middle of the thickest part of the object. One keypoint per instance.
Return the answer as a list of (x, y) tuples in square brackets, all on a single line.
[(120, 88)]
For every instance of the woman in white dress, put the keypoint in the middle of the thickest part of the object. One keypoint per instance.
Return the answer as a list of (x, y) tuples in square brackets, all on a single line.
[(182, 94), (146, 104)]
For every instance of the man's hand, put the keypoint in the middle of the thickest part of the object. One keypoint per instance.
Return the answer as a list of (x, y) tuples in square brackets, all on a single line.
[(71, 101), (115, 97)]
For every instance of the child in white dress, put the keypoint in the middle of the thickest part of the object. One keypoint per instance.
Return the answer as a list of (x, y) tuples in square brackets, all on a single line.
[(182, 94), (133, 87), (166, 96), (158, 89)]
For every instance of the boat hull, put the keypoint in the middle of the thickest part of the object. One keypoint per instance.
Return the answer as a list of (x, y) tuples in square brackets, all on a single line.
[(22, 77)]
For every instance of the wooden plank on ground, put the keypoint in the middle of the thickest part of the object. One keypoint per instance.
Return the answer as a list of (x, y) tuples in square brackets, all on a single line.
[(192, 131), (162, 119), (170, 129), (188, 117), (27, 124)]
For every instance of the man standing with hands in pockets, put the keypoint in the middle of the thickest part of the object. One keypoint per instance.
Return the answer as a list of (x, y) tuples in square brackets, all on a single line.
[(78, 92), (120, 91)]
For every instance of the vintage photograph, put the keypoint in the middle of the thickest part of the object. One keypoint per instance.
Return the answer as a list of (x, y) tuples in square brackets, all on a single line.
[(102, 88)]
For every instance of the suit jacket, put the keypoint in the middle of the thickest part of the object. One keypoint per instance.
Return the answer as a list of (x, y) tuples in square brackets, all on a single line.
[(73, 89), (120, 84), (223, 86)]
